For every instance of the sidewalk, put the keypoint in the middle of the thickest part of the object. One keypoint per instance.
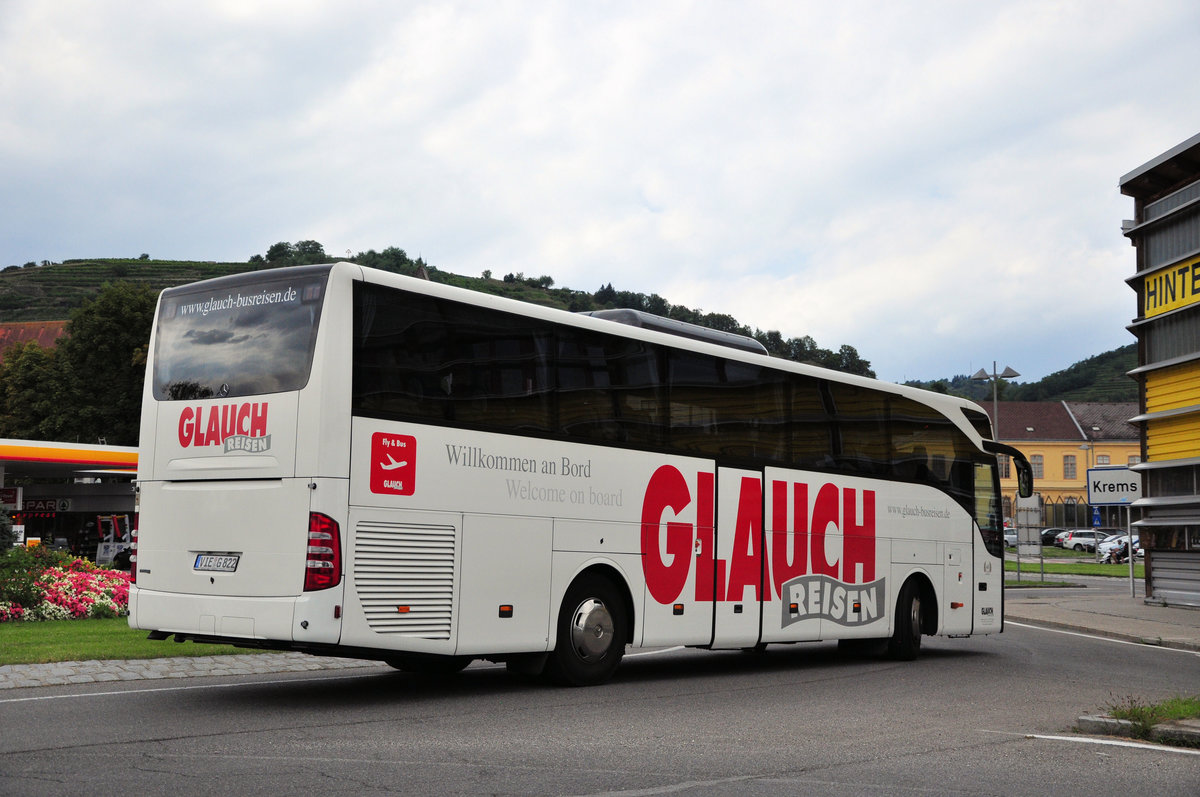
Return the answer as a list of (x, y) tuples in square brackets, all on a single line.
[(15, 676), (1115, 616), (1086, 611)]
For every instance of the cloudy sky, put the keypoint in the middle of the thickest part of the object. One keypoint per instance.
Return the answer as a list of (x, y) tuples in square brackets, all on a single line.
[(933, 183)]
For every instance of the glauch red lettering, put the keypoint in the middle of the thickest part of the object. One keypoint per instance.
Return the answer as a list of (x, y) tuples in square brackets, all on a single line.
[(710, 572), (258, 420), (745, 565), (211, 427), (824, 515), (665, 579), (187, 425), (801, 544), (858, 539), (789, 561)]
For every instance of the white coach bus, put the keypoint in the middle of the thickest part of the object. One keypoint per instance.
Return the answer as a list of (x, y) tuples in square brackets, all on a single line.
[(350, 462)]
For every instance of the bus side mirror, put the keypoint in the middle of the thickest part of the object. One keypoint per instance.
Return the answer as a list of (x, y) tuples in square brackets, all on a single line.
[(1024, 469), (1024, 477)]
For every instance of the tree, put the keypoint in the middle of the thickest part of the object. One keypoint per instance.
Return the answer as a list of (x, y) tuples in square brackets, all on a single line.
[(30, 393), (281, 254), (308, 252), (657, 305), (103, 364), (723, 322), (849, 362)]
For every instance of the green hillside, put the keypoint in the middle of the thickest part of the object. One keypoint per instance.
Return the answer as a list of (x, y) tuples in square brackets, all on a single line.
[(1103, 377), (50, 292)]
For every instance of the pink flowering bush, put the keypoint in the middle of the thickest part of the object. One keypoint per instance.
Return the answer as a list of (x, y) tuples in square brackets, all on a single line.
[(60, 588)]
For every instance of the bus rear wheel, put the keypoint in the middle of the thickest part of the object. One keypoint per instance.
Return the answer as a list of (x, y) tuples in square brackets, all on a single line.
[(591, 633), (905, 643)]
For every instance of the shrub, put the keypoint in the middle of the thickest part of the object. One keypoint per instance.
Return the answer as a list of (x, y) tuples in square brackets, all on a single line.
[(20, 570), (7, 535), (40, 584)]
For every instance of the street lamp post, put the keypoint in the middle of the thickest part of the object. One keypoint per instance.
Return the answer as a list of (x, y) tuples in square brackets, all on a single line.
[(983, 376)]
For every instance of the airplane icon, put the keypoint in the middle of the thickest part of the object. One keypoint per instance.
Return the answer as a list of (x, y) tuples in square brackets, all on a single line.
[(392, 464)]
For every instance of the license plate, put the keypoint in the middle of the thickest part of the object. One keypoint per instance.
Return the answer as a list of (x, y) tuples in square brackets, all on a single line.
[(221, 563)]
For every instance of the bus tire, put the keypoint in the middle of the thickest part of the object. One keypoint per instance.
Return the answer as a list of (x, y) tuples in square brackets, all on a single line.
[(591, 633), (905, 643), (434, 666)]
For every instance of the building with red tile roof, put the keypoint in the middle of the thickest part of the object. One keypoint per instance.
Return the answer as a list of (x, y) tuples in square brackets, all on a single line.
[(43, 333), (1062, 440)]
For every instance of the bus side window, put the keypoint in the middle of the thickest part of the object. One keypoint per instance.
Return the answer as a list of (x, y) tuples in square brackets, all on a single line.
[(862, 423), (586, 405), (499, 371)]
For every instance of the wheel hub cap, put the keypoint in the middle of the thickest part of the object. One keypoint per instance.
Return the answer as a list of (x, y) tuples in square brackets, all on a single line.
[(592, 630)]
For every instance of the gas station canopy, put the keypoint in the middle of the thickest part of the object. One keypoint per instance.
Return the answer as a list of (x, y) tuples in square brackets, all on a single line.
[(42, 460)]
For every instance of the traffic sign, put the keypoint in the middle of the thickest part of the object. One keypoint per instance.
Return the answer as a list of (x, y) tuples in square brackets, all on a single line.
[(1113, 486)]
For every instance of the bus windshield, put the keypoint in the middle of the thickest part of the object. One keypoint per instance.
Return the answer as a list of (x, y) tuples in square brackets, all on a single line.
[(239, 336)]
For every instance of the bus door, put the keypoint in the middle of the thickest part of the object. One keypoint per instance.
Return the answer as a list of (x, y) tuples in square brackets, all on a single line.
[(957, 588), (737, 610), (787, 615)]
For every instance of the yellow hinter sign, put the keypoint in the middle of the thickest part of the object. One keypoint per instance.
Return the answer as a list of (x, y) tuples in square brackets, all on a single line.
[(1171, 288)]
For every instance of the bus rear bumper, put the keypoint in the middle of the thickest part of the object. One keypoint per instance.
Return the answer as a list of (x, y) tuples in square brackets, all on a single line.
[(212, 616)]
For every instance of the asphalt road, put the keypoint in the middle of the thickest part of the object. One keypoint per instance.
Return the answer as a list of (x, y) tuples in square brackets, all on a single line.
[(974, 716)]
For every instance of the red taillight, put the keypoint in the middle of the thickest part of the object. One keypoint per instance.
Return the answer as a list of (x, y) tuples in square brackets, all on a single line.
[(323, 568), (133, 550)]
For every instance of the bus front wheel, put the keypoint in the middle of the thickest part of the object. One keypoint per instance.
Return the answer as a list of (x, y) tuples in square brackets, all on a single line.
[(905, 643), (591, 633)]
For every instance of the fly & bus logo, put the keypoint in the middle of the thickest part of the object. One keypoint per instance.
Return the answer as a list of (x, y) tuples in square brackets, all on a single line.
[(236, 427), (393, 464), (799, 566)]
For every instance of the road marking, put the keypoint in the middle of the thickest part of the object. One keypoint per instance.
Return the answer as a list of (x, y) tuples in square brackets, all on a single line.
[(1100, 638), (1103, 741)]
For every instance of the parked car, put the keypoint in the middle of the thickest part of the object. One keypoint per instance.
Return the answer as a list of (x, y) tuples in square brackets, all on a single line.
[(1058, 538), (1048, 535), (1010, 538), (1085, 539)]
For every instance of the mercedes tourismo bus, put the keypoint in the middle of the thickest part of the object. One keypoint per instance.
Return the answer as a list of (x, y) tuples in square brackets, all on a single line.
[(349, 462)]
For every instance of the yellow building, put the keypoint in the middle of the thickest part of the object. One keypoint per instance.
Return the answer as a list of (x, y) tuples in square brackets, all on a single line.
[(1165, 232), (1062, 440)]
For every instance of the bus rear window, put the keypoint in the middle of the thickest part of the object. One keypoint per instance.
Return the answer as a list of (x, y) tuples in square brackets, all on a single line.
[(237, 336)]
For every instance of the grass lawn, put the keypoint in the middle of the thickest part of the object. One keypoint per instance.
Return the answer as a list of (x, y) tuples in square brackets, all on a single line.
[(1069, 563), (1145, 716), (85, 640)]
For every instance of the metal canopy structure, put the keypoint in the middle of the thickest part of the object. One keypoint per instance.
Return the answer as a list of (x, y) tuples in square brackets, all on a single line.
[(34, 459), (1176, 166)]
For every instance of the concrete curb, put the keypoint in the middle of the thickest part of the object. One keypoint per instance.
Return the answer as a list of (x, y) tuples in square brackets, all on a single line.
[(1182, 732), (1156, 641)]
